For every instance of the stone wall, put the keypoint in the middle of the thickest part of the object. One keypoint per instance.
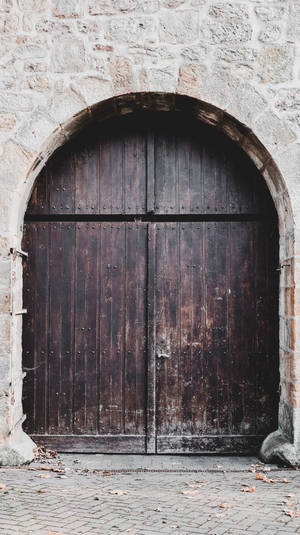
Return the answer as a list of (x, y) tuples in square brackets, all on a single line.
[(59, 58)]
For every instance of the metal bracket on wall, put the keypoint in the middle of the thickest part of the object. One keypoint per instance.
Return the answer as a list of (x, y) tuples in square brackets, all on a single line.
[(19, 252), (281, 266)]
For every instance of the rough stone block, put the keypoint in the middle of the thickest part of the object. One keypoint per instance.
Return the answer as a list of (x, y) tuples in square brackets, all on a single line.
[(89, 26), (8, 23), (17, 449), (125, 5), (132, 30), (52, 26), (5, 302), (4, 247), (35, 66), (65, 104), (195, 53), (122, 76), (101, 7), (179, 27), (234, 31), (7, 121), (277, 447), (272, 132), (271, 33), (38, 83), (26, 51), (68, 55), (237, 54), (270, 12), (275, 63), (67, 8), (188, 80), (288, 99), (229, 10), (6, 5), (34, 131), (161, 79), (32, 5), (293, 28), (93, 89), (17, 102)]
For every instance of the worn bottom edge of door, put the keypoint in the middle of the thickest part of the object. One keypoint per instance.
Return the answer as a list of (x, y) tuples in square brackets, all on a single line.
[(93, 443), (202, 444)]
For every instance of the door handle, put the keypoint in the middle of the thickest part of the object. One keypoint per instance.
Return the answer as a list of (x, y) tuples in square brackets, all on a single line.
[(159, 358), (162, 356)]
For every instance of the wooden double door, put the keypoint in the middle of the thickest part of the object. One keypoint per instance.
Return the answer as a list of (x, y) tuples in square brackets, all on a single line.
[(151, 290)]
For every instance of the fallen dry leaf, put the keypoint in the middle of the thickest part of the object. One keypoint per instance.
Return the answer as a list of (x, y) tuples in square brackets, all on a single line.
[(224, 505), (197, 485), (292, 514), (41, 491), (248, 489), (190, 492), (2, 486), (265, 479), (44, 476), (118, 492)]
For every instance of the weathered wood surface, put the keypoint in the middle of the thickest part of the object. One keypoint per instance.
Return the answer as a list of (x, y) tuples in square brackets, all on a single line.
[(185, 267), (154, 163)]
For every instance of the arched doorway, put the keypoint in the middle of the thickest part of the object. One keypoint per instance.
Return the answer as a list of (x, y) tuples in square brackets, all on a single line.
[(152, 293)]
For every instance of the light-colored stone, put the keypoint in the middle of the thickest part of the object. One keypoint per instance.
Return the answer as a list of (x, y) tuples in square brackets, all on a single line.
[(276, 63), (273, 132), (68, 8), (293, 30), (122, 76), (17, 450), (101, 7), (27, 50), (229, 10), (237, 54), (270, 12), (132, 30), (161, 79), (34, 131), (32, 5), (6, 5), (66, 103), (72, 58), (52, 26), (277, 448), (7, 121), (37, 82), (93, 89), (271, 33), (8, 23), (227, 31), (179, 27)]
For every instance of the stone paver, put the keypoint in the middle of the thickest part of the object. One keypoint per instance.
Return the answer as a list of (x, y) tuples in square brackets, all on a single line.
[(93, 497)]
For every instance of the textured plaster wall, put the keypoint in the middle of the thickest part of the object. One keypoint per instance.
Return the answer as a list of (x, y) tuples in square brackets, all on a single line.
[(60, 57)]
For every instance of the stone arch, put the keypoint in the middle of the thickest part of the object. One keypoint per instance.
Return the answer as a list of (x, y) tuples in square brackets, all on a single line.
[(244, 128)]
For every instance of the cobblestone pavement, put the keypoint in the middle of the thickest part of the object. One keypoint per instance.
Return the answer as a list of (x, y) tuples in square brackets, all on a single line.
[(217, 499)]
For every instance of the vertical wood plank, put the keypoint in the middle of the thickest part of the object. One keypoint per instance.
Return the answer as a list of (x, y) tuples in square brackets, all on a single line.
[(151, 339)]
